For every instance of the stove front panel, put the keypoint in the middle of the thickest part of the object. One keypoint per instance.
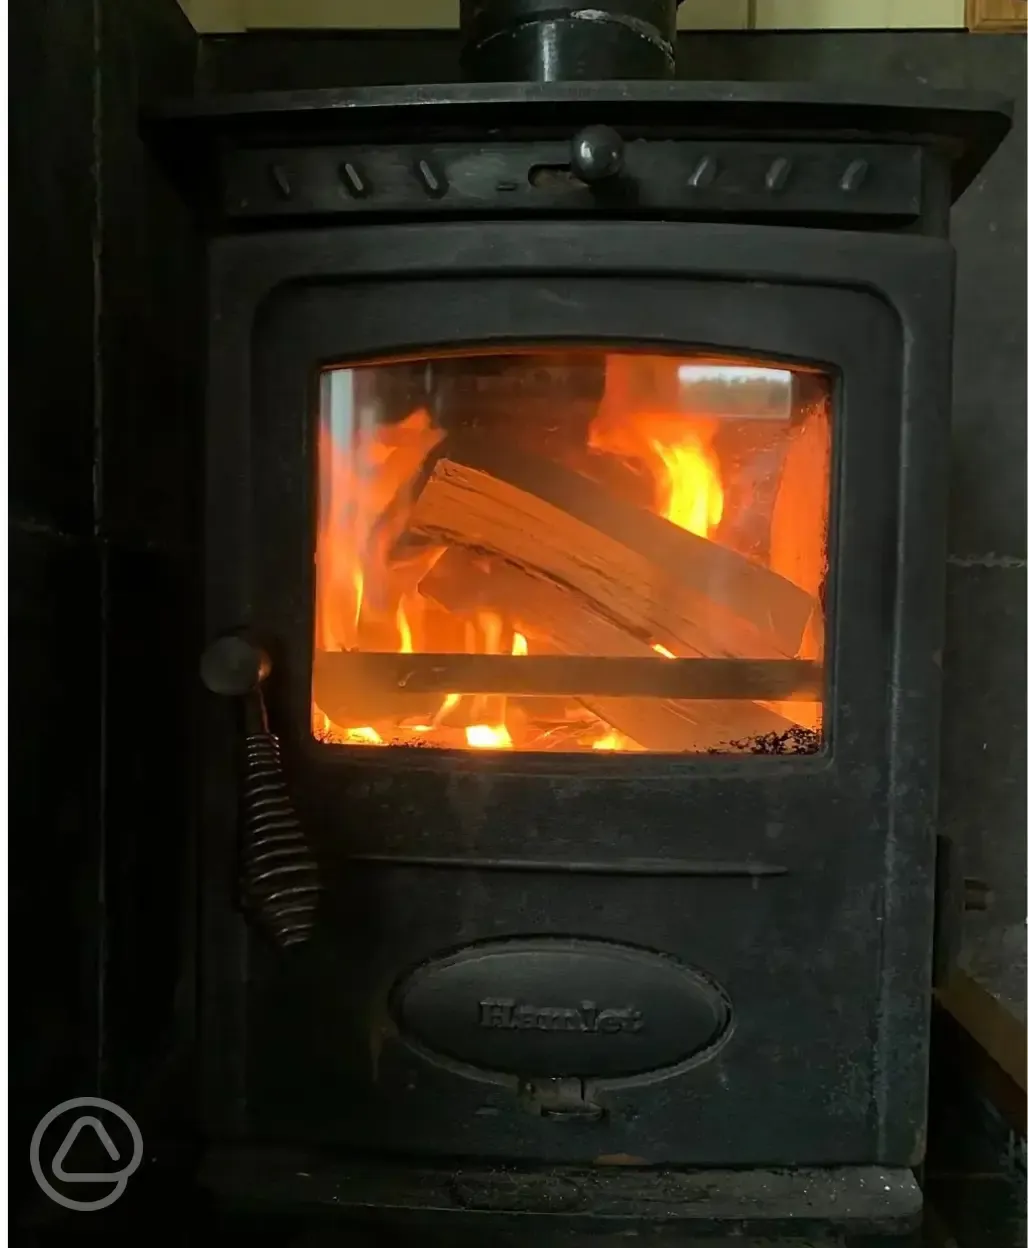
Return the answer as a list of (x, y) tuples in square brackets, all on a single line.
[(691, 957)]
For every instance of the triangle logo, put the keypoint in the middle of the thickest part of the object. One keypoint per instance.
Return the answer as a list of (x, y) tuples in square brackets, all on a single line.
[(77, 1127)]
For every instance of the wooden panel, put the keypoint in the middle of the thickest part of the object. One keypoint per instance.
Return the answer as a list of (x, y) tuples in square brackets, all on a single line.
[(211, 17), (714, 15), (867, 15), (225, 16), (997, 16), (984, 1018)]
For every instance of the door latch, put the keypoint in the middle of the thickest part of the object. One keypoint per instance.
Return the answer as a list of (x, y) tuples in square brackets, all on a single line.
[(564, 1100)]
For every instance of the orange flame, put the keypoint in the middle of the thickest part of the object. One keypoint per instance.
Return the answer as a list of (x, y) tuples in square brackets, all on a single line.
[(492, 734), (675, 449), (362, 487), (403, 625), (358, 594), (329, 731), (615, 740), (488, 737), (449, 702), (692, 498)]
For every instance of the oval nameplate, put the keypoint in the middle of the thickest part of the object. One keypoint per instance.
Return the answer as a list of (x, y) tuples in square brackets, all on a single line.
[(549, 1007)]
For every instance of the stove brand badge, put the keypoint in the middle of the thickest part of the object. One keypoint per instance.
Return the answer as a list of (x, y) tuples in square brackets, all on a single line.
[(507, 1014), (554, 1006)]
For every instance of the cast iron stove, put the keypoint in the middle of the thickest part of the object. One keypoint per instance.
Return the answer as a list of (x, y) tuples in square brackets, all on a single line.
[(574, 549)]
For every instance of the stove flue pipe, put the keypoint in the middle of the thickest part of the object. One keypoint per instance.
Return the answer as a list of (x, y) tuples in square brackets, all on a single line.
[(550, 41)]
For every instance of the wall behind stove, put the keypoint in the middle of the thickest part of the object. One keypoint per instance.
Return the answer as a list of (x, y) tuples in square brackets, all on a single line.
[(104, 299), (983, 789), (54, 575)]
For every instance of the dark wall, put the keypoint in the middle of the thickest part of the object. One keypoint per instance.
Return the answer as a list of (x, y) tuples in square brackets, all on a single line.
[(104, 298), (983, 783), (149, 463), (54, 570)]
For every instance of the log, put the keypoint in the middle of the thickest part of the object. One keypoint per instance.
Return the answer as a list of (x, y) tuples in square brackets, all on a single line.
[(643, 573), (547, 613)]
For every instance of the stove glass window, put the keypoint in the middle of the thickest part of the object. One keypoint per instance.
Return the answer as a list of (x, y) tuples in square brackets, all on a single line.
[(572, 551)]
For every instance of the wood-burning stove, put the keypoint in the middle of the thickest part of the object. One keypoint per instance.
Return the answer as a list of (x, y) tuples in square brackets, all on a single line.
[(574, 556)]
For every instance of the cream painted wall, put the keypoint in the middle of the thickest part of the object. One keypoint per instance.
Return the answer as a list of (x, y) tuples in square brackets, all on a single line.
[(211, 16), (858, 14)]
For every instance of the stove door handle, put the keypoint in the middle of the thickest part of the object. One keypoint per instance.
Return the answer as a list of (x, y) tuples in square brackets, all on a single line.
[(279, 881)]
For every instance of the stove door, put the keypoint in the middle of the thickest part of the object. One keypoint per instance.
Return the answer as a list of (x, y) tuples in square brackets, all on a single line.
[(602, 584)]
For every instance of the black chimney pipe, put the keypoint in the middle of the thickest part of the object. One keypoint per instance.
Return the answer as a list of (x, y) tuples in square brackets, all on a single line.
[(550, 41)]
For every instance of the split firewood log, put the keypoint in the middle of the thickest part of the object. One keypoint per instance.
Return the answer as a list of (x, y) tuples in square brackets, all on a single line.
[(555, 619), (653, 579)]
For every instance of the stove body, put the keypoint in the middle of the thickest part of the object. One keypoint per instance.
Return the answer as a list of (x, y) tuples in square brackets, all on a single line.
[(594, 987)]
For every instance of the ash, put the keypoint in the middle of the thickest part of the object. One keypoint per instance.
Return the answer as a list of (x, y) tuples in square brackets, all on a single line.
[(794, 740)]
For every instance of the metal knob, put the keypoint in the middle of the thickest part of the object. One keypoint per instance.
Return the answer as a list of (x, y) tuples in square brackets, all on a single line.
[(234, 666), (597, 153)]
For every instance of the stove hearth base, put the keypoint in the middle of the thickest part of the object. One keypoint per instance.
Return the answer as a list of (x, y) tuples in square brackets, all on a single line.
[(608, 1199)]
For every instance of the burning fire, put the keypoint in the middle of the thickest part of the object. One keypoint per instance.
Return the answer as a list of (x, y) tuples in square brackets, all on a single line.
[(615, 740), (368, 572), (486, 737), (404, 628), (692, 496), (677, 451), (494, 735), (361, 514), (326, 730)]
